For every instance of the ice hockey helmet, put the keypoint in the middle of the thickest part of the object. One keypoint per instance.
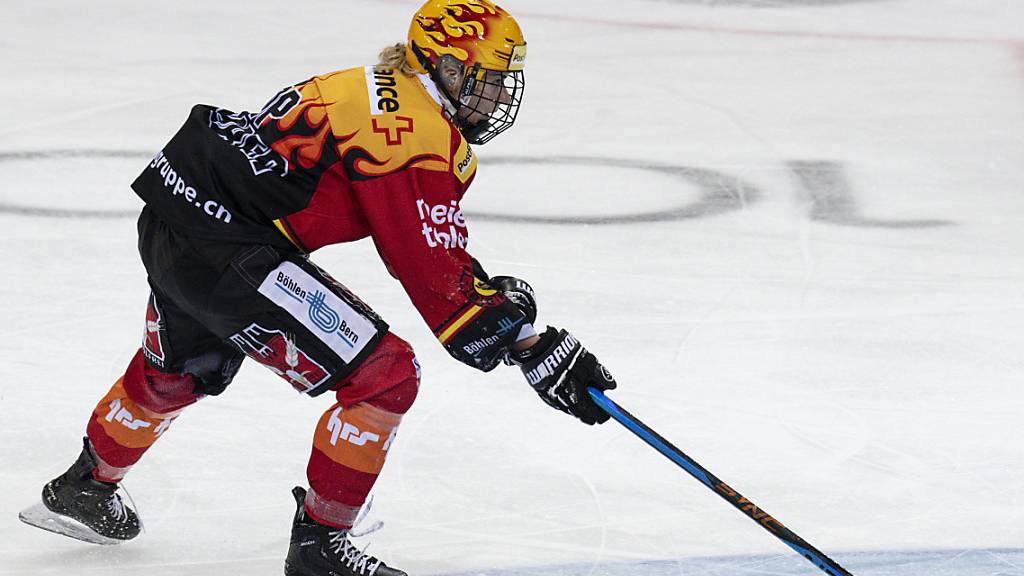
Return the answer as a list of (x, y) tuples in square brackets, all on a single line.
[(489, 46)]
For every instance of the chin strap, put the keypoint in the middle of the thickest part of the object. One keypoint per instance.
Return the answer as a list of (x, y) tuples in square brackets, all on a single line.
[(474, 133)]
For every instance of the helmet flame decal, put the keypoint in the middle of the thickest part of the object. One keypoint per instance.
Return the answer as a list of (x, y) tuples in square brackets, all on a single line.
[(459, 21)]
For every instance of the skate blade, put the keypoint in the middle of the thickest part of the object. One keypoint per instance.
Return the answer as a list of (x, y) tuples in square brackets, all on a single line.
[(42, 517)]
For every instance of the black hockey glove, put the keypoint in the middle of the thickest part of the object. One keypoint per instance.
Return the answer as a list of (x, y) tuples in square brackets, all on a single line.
[(519, 292), (560, 369)]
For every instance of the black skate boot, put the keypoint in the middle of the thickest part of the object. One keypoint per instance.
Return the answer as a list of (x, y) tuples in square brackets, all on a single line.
[(319, 550), (76, 505)]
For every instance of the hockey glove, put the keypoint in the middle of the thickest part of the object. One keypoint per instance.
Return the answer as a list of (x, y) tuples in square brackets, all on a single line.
[(519, 293), (560, 369)]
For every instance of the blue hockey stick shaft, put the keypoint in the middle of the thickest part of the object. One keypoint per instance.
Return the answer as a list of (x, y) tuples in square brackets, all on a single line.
[(765, 520)]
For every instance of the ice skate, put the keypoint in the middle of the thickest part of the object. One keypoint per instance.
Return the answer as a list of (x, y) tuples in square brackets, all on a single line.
[(76, 505), (319, 550)]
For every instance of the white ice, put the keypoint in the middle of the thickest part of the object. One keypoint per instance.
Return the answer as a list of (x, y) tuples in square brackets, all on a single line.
[(841, 342)]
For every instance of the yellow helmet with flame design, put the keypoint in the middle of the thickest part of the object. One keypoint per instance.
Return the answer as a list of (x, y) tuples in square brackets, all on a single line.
[(487, 46)]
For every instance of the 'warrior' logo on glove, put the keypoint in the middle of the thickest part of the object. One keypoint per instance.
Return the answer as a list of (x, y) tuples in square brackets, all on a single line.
[(560, 370), (551, 362)]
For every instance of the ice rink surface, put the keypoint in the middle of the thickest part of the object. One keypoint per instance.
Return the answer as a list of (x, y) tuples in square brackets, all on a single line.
[(792, 230)]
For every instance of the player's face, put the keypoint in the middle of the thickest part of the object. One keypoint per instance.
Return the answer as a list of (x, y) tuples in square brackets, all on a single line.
[(489, 93)]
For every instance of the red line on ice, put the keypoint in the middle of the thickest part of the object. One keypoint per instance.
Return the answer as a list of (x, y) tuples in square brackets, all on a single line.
[(1018, 49), (1013, 42), (785, 33)]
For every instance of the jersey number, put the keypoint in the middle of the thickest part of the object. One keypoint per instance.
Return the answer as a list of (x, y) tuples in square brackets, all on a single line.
[(280, 105)]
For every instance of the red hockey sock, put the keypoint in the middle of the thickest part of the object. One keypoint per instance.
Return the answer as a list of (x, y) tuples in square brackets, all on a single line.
[(136, 411), (352, 439)]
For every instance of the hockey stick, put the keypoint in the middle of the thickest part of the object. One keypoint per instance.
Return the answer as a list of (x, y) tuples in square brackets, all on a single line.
[(765, 520)]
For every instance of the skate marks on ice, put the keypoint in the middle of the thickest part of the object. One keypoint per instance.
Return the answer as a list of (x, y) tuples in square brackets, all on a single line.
[(983, 562)]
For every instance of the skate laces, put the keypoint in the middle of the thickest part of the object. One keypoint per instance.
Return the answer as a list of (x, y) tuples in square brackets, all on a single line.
[(356, 559), (117, 508)]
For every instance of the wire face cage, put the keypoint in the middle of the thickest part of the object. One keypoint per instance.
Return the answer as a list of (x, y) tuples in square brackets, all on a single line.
[(488, 103)]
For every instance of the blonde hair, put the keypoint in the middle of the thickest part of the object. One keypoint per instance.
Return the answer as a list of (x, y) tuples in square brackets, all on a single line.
[(394, 57)]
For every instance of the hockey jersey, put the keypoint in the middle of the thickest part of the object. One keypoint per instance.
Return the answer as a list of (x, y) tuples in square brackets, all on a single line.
[(364, 152)]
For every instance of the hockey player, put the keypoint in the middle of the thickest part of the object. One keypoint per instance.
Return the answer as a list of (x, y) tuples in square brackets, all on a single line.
[(237, 201)]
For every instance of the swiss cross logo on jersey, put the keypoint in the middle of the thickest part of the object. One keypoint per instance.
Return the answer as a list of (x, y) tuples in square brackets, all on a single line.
[(393, 128), (279, 352), (152, 341)]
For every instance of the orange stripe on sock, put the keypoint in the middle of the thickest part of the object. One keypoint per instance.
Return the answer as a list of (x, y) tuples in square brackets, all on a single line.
[(358, 437), (127, 423)]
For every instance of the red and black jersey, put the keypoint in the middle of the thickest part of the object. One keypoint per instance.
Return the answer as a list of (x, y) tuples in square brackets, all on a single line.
[(359, 153)]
